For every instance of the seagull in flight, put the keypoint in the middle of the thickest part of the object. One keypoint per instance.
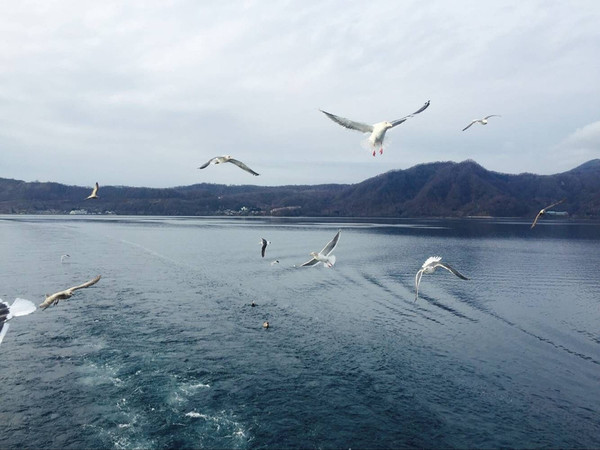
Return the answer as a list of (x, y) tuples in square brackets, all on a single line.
[(63, 257), (545, 211), (324, 256), (94, 194), (429, 266), (67, 293), (483, 121), (377, 130), (264, 244), (225, 159), (20, 307)]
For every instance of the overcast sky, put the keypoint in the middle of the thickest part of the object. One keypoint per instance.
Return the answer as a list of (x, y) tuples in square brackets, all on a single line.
[(141, 93)]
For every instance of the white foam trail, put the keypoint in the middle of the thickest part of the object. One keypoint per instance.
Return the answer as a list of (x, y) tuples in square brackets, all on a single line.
[(196, 415)]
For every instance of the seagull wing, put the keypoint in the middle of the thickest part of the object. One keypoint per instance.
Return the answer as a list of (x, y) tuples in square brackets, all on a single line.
[(363, 127), (417, 283), (3, 329), (492, 115), (264, 247), (207, 163), (452, 269), (537, 217), (311, 262), (331, 244), (241, 165), (86, 284), (21, 307), (421, 109), (554, 204), (469, 125)]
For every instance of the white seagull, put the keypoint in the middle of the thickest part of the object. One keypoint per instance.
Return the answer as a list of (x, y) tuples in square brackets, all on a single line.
[(545, 211), (94, 194), (483, 121), (63, 257), (264, 244), (429, 266), (67, 293), (377, 130), (20, 307), (324, 256), (225, 159)]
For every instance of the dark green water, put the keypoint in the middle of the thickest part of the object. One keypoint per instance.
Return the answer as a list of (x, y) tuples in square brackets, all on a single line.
[(165, 350)]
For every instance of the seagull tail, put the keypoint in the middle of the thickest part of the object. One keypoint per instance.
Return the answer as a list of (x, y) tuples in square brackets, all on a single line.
[(331, 261), (22, 307)]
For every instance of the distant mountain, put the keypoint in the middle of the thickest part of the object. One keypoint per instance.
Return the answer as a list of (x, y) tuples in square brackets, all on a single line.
[(441, 189)]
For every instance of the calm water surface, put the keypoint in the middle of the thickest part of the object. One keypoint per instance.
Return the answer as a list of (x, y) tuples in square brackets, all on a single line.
[(165, 350)]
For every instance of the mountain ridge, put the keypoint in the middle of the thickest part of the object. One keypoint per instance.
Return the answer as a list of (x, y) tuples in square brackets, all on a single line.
[(438, 189)]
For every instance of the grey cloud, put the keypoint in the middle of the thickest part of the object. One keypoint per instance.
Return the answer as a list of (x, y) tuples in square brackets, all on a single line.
[(154, 89)]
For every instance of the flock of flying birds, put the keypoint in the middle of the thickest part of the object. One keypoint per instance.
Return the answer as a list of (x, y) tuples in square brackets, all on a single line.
[(377, 131)]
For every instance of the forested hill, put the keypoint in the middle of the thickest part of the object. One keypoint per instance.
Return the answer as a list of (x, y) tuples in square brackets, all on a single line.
[(442, 189)]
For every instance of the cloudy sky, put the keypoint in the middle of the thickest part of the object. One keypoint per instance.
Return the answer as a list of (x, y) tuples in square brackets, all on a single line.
[(141, 93)]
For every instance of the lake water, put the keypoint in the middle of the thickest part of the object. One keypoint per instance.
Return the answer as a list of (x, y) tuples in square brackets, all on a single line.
[(165, 351)]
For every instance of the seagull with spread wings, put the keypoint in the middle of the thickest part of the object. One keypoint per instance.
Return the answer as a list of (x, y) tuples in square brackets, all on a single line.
[(545, 211), (377, 130), (324, 256), (483, 121), (66, 294), (429, 266), (225, 159), (94, 194)]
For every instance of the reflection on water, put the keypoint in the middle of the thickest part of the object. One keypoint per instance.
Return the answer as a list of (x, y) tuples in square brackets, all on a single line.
[(166, 351)]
